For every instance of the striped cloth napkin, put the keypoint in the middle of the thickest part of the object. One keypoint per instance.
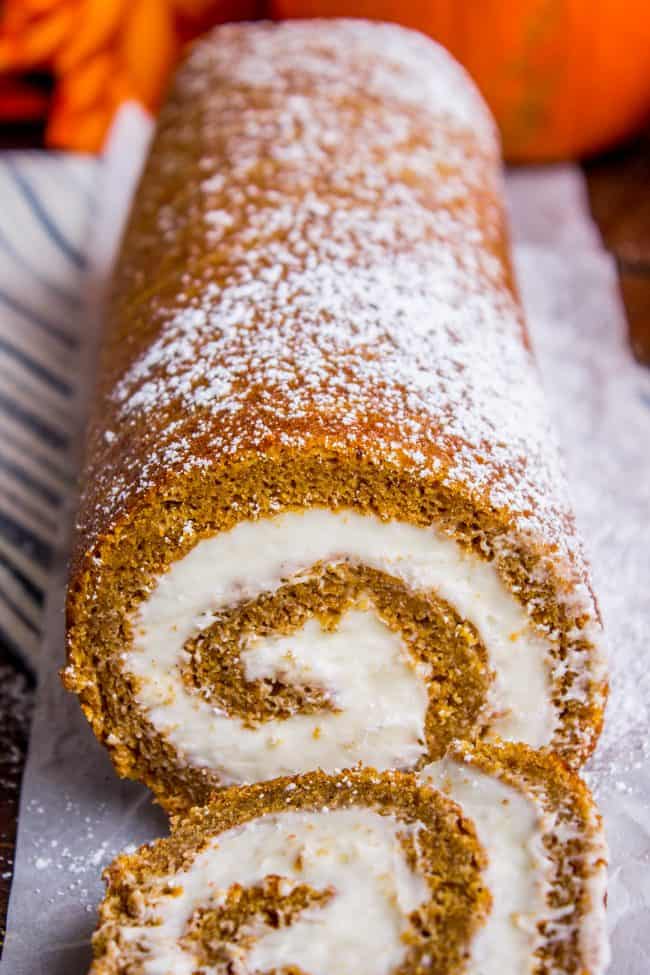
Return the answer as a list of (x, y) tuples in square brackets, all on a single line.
[(48, 202)]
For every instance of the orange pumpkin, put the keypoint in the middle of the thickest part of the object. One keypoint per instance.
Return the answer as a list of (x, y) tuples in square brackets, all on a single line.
[(564, 78)]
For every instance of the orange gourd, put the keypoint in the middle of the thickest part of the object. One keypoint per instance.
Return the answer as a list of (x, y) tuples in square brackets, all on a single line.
[(564, 78), (100, 54)]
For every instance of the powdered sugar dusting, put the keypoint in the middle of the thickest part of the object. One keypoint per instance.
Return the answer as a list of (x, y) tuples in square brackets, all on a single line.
[(330, 269)]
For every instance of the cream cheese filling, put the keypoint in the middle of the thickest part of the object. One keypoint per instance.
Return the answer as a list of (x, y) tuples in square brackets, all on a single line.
[(360, 659), (379, 693), (356, 853), (510, 828)]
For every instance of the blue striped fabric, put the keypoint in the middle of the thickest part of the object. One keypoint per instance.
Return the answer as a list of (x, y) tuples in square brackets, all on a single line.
[(46, 204)]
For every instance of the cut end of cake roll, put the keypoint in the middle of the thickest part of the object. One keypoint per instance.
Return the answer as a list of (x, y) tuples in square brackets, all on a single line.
[(320, 638), (375, 873), (360, 872), (324, 520)]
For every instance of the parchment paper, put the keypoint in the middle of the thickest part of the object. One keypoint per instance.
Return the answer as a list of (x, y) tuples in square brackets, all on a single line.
[(75, 814)]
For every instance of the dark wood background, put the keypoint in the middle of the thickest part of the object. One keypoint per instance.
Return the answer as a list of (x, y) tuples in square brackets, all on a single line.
[(619, 192)]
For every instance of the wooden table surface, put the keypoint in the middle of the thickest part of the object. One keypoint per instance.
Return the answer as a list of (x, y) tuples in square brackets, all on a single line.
[(619, 192)]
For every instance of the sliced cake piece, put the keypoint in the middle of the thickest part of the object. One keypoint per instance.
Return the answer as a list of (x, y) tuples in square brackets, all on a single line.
[(497, 870), (355, 874)]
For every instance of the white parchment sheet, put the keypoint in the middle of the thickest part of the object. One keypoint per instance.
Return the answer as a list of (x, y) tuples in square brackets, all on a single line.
[(75, 815)]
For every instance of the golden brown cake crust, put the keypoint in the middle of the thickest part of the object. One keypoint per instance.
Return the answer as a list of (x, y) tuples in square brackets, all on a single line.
[(215, 346), (314, 305)]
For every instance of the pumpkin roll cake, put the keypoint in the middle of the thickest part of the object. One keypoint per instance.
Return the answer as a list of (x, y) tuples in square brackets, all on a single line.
[(367, 872), (323, 521)]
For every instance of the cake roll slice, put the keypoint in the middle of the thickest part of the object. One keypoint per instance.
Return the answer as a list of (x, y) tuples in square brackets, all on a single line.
[(324, 520), (367, 872)]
